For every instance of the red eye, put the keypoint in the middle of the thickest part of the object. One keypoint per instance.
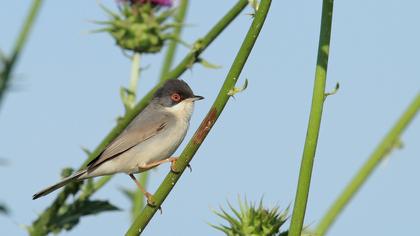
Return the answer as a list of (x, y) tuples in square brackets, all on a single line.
[(176, 97)]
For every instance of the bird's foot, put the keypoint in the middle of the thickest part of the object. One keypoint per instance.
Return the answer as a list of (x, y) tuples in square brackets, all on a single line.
[(151, 201), (173, 163)]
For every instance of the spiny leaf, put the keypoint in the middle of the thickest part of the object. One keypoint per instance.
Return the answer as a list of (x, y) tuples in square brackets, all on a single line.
[(127, 98), (111, 13), (236, 90), (71, 214), (128, 193), (86, 150), (334, 91), (207, 64), (254, 4)]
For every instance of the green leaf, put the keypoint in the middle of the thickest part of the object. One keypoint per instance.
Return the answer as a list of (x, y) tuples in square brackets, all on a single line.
[(334, 91), (127, 98), (207, 64), (71, 214), (128, 193), (107, 10), (254, 4), (86, 151), (236, 90), (3, 209)]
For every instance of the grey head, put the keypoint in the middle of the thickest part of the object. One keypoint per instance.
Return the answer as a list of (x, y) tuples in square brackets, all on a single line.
[(173, 92)]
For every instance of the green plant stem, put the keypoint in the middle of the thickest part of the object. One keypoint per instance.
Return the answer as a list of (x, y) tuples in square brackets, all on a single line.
[(314, 121), (171, 179), (38, 225), (9, 63), (170, 52), (134, 79), (381, 151)]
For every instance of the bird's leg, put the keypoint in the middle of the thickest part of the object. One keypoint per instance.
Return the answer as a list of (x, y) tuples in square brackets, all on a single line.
[(156, 163), (172, 160), (148, 195)]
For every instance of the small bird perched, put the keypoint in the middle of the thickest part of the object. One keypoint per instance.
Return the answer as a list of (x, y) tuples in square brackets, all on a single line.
[(148, 141)]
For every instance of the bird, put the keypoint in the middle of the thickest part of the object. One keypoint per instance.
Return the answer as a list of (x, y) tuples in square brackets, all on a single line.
[(148, 141)]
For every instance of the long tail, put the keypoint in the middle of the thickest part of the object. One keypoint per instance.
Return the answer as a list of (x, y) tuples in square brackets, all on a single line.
[(76, 176)]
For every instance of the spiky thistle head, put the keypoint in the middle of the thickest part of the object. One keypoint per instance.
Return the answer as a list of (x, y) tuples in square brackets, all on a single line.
[(252, 220), (140, 26), (163, 3)]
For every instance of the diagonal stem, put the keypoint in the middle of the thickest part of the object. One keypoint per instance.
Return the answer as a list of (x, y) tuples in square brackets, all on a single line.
[(381, 151), (170, 52), (9, 63), (312, 134), (175, 73), (171, 179), (39, 225)]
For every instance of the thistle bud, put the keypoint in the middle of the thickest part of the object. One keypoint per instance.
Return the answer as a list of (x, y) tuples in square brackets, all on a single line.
[(252, 220), (140, 25)]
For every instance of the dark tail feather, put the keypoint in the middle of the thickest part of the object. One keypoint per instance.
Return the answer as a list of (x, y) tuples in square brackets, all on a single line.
[(58, 185)]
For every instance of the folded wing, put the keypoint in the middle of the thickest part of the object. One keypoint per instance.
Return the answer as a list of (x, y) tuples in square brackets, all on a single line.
[(143, 127)]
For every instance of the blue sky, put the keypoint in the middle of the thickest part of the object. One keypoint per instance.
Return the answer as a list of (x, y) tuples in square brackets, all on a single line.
[(65, 95)]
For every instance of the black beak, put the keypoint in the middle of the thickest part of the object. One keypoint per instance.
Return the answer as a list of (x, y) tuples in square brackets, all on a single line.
[(196, 97)]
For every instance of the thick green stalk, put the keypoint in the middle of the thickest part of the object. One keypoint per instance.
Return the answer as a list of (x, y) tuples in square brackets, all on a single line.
[(171, 179), (10, 62), (381, 151), (314, 121), (170, 52), (200, 45)]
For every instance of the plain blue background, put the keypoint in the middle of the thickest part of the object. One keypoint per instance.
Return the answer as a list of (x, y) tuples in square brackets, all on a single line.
[(65, 95)]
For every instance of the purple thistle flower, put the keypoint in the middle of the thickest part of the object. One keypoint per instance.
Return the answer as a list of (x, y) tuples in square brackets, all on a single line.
[(163, 3)]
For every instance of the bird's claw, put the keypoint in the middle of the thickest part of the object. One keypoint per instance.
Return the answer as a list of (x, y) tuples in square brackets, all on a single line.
[(173, 169), (151, 201)]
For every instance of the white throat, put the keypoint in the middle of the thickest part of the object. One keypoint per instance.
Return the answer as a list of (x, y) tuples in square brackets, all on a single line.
[(182, 110)]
